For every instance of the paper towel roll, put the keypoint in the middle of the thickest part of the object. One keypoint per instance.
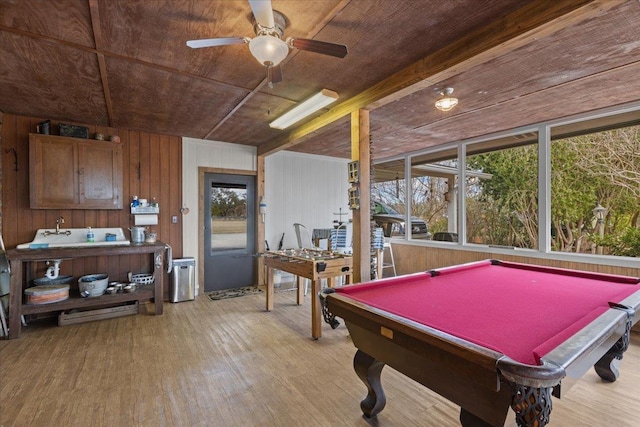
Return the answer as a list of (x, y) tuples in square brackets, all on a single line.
[(146, 219)]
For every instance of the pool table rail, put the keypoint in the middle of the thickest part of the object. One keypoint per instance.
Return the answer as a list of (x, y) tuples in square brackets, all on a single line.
[(590, 345)]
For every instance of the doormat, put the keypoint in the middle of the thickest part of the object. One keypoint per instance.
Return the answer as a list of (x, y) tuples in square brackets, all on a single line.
[(233, 293)]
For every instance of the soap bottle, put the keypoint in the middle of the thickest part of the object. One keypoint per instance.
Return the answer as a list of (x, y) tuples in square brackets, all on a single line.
[(90, 236), (135, 203)]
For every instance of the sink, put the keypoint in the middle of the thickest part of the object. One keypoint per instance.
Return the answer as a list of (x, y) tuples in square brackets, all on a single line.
[(76, 239)]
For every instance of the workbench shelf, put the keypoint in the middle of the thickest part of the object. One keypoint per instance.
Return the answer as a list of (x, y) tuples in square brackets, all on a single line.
[(77, 302)]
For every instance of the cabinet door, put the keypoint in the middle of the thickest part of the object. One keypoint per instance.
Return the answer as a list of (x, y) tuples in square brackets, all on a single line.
[(53, 172), (100, 175), (73, 173)]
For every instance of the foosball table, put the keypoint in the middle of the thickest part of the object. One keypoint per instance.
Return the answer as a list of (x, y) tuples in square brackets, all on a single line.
[(311, 264)]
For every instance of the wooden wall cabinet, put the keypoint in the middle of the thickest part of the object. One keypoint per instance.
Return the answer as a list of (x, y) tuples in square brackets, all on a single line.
[(73, 173)]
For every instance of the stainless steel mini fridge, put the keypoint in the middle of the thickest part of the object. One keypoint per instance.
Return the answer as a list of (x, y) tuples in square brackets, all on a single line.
[(183, 283)]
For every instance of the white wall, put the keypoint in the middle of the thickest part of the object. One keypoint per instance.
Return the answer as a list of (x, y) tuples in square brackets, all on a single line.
[(298, 188), (303, 188)]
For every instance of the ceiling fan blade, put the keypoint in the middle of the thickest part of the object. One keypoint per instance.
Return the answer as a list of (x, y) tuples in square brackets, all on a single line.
[(263, 12), (274, 74), (220, 41), (325, 48)]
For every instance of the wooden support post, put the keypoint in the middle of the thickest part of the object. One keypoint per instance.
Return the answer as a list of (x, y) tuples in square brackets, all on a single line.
[(260, 247), (362, 216)]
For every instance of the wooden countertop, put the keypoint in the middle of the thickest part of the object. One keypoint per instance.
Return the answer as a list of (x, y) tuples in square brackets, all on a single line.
[(76, 252)]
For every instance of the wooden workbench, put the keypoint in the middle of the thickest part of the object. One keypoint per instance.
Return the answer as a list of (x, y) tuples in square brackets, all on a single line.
[(20, 259)]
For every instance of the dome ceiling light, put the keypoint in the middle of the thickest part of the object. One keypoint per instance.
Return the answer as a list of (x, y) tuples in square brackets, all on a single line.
[(446, 102)]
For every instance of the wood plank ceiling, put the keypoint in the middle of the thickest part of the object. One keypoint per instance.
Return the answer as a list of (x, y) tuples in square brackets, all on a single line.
[(124, 63)]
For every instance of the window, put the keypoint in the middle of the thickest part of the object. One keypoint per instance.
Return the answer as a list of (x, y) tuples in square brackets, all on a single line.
[(428, 191), (502, 195), (228, 216), (388, 195), (590, 207), (434, 186), (596, 169)]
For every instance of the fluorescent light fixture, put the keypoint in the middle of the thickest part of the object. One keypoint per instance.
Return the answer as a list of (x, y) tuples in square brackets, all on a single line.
[(308, 107)]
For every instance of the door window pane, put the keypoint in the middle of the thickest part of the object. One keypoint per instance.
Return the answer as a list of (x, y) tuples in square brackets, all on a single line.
[(228, 217)]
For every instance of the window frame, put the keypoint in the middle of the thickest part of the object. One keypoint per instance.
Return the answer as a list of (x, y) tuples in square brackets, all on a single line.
[(544, 131)]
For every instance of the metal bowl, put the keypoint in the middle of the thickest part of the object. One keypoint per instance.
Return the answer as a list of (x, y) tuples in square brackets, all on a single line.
[(93, 284), (60, 280)]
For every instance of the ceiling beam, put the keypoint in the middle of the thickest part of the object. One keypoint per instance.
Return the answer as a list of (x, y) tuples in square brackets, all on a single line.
[(98, 41), (113, 55), (536, 20)]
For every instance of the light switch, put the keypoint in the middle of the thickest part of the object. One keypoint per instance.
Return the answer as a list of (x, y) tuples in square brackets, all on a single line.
[(174, 219)]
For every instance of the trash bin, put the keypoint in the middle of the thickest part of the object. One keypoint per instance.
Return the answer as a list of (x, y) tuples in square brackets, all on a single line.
[(183, 283)]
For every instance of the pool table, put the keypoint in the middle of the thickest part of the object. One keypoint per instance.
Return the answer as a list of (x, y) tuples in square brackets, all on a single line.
[(488, 335)]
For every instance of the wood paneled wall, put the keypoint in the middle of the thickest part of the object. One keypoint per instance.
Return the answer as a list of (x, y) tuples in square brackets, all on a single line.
[(412, 259), (152, 167)]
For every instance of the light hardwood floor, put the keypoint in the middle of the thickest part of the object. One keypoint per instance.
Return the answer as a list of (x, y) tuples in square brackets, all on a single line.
[(230, 363)]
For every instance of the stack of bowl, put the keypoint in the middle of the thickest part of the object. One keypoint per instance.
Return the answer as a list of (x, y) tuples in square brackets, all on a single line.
[(46, 290)]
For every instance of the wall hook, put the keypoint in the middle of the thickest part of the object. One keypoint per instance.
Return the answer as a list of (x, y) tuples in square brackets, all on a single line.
[(15, 157)]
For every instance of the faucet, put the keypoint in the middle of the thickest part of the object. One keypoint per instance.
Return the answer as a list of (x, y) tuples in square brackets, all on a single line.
[(59, 221)]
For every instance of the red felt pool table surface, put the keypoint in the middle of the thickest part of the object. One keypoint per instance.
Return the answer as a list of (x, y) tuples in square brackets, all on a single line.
[(519, 310)]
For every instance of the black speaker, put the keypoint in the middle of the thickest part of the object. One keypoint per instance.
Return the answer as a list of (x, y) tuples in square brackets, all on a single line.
[(73, 131)]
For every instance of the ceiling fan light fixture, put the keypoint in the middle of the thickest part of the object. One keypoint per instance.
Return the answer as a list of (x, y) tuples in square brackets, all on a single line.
[(446, 102), (268, 50), (305, 109)]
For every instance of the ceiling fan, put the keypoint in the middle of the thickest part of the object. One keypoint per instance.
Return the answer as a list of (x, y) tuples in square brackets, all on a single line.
[(268, 47)]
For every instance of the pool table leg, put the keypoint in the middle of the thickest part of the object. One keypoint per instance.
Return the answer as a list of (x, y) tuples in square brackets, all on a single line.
[(368, 370), (605, 367), (532, 405)]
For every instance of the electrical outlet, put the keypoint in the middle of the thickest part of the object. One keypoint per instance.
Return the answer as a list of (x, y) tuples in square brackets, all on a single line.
[(174, 219)]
